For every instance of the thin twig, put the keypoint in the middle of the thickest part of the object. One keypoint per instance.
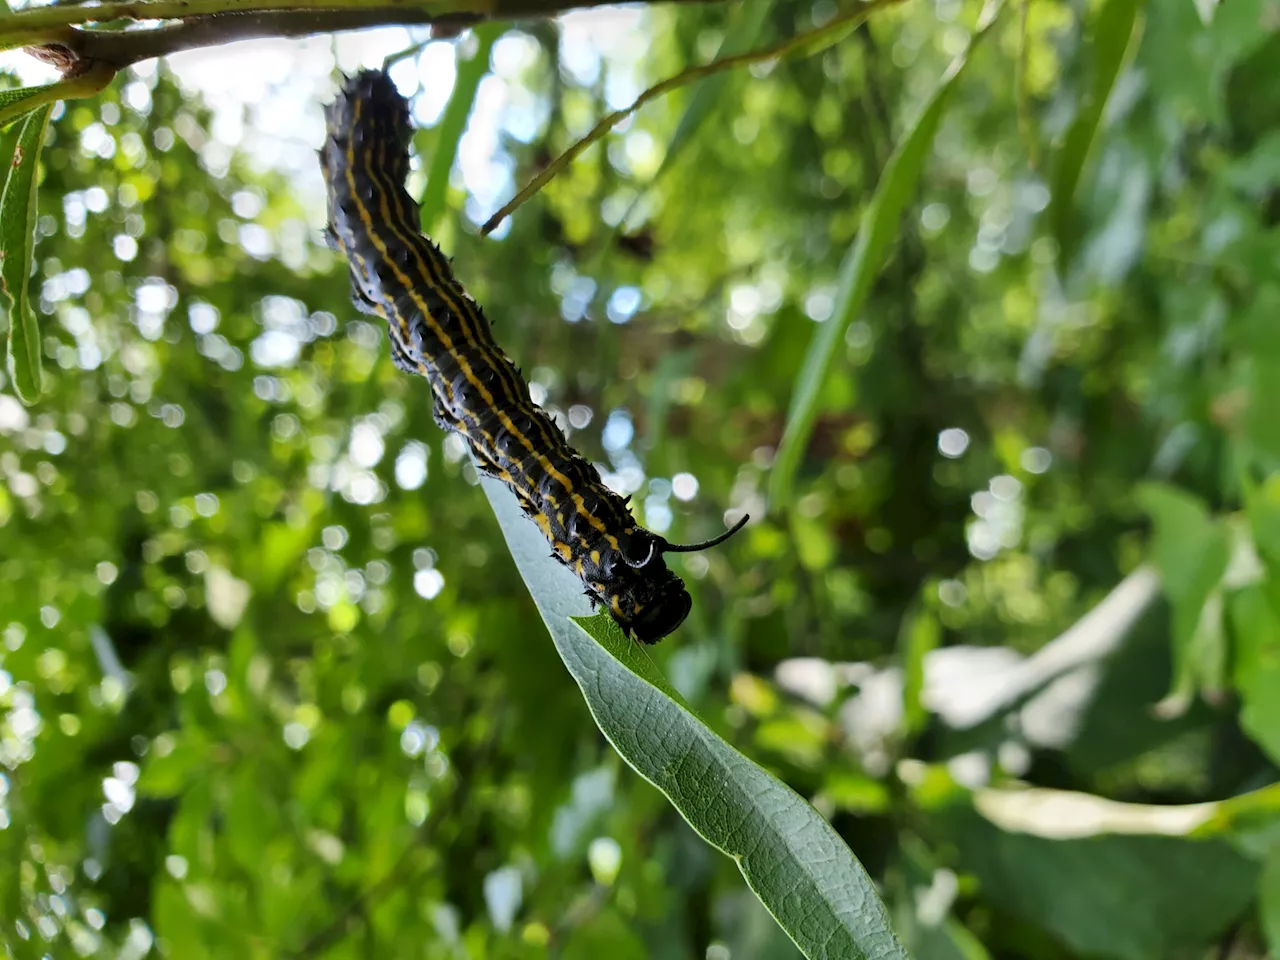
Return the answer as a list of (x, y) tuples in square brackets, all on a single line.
[(444, 27), (849, 18), (391, 59)]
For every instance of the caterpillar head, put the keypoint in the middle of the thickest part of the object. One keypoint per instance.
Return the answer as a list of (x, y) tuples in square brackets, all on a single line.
[(652, 606), (652, 602)]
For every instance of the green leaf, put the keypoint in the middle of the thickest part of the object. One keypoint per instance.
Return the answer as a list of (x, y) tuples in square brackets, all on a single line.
[(454, 123), (921, 633), (1260, 422), (183, 928), (815, 543), (1260, 341), (1127, 897), (743, 34), (1262, 507), (791, 857), (923, 915), (166, 774), (875, 236), (11, 102), (1119, 723), (604, 934), (1191, 551), (1256, 624), (1269, 901), (949, 940), (1256, 171), (22, 101), (1252, 88), (672, 367), (1114, 36), (17, 240)]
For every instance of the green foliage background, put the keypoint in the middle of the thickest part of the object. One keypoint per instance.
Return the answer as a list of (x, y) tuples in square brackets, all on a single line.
[(258, 699)]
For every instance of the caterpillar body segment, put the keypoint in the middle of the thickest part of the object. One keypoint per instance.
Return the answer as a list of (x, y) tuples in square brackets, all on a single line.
[(439, 333)]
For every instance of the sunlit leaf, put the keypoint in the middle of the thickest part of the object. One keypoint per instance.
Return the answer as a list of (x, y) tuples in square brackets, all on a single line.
[(16, 104), (1256, 620), (17, 240), (921, 633), (1269, 901), (454, 123), (861, 265), (744, 32), (1191, 551), (1115, 36)]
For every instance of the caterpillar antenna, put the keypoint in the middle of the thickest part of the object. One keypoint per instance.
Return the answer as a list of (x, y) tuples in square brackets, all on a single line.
[(668, 547)]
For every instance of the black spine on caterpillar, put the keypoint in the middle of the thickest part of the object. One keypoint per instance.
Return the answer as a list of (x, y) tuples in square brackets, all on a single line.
[(440, 333)]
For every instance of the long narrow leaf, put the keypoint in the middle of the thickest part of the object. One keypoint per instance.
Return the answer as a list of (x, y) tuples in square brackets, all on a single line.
[(18, 102), (454, 123), (23, 101), (920, 636), (1114, 35), (743, 34), (791, 857), (17, 240), (862, 264)]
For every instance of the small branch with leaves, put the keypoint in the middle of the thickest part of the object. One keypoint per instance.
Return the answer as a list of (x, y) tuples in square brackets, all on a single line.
[(803, 44), (90, 43)]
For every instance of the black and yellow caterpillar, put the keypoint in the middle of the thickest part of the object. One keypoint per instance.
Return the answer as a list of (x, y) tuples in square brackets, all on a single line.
[(440, 333)]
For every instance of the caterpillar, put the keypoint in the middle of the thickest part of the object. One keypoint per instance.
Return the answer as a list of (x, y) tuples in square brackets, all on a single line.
[(438, 332)]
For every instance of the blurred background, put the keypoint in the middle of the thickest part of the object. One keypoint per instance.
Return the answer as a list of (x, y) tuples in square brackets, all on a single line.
[(271, 686)]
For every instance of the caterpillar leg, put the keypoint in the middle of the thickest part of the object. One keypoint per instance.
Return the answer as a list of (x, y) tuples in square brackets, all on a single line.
[(487, 466), (444, 419), (402, 359), (361, 302)]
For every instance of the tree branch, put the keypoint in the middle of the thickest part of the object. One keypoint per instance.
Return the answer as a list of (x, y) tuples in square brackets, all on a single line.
[(55, 26), (123, 48)]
